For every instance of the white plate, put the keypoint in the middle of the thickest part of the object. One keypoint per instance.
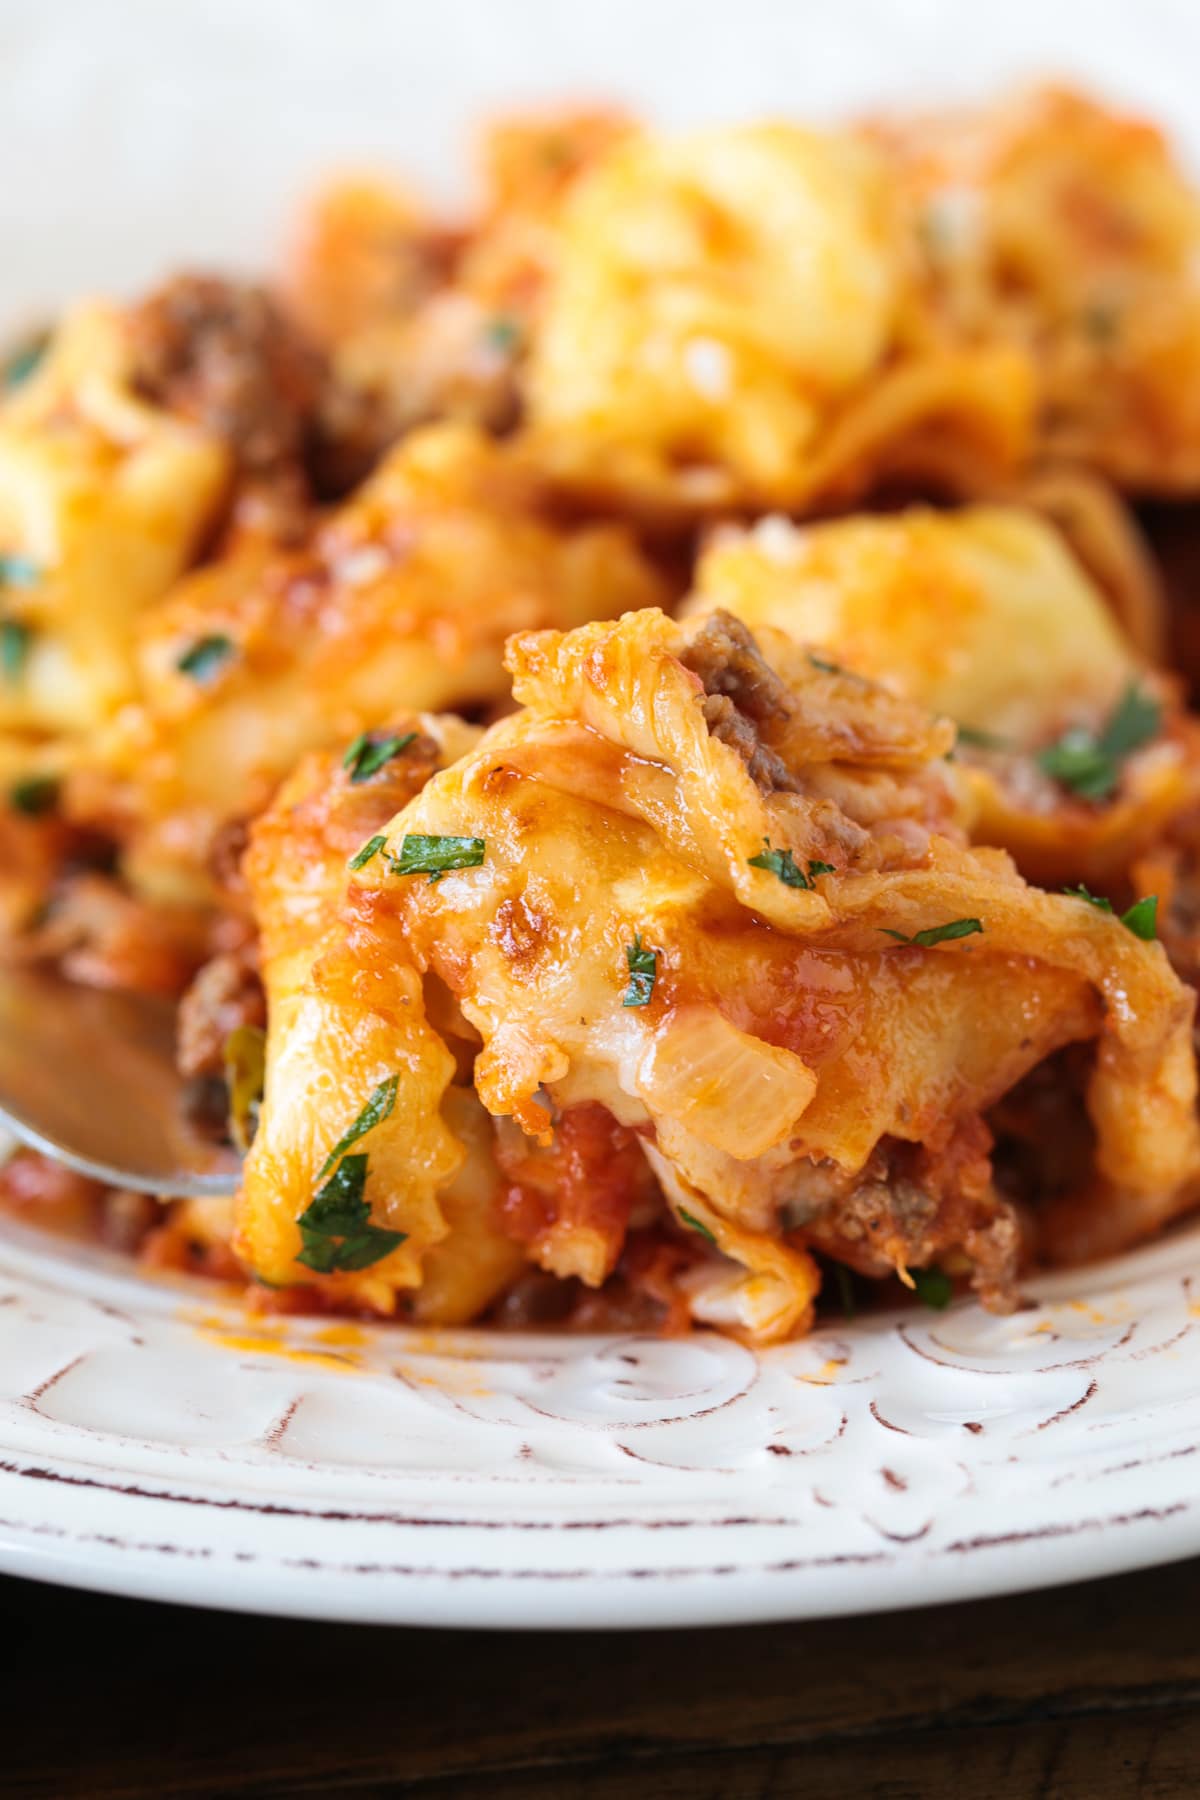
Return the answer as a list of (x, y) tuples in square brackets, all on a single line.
[(153, 1443)]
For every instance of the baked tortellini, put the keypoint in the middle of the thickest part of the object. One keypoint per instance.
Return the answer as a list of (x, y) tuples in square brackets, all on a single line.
[(725, 324), (105, 498), (433, 1149), (701, 902), (1075, 755), (410, 586), (1055, 223), (644, 726)]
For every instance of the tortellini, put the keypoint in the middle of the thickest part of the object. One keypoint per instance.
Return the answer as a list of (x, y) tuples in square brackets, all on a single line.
[(409, 588), (984, 615), (717, 892), (724, 323), (104, 501)]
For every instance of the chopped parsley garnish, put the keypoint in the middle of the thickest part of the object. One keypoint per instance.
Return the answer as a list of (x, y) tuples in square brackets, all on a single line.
[(690, 1220), (371, 848), (826, 667), (936, 934), (846, 1295), (20, 363), (34, 796), (1134, 722), (205, 656), (336, 1227), (376, 1110), (501, 332), (366, 757), (1099, 901), (784, 864), (18, 572), (933, 1287), (1090, 765), (1141, 918), (15, 636), (643, 971), (15, 640), (436, 856), (245, 1066)]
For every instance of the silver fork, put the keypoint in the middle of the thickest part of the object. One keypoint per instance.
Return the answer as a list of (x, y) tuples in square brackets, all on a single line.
[(88, 1077)]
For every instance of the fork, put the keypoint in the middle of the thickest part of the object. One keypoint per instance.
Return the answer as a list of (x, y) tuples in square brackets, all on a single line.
[(88, 1077)]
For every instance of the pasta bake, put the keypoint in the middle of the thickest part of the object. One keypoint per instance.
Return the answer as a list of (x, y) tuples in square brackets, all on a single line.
[(647, 730)]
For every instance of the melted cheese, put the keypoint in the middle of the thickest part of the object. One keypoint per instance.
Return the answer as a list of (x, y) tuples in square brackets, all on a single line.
[(984, 615), (1052, 222), (786, 1032), (717, 304), (406, 592)]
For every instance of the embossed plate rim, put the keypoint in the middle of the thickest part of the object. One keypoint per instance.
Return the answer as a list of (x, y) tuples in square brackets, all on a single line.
[(218, 1520)]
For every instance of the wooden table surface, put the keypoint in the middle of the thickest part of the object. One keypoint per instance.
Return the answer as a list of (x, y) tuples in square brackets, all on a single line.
[(1079, 1694)]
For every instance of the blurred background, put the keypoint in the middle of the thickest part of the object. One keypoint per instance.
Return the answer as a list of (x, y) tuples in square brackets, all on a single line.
[(139, 134)]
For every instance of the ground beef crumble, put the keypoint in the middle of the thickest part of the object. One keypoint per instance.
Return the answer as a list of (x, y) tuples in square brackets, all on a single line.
[(742, 695)]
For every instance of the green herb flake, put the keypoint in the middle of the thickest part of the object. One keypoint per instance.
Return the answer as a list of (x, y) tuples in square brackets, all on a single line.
[(692, 1222), (1096, 900), (15, 642), (366, 756), (1134, 723), (336, 1227), (35, 795), (371, 848), (933, 1287), (21, 362), (206, 656), (1077, 761), (824, 665), (1090, 764), (1141, 918), (376, 1110), (643, 972), (783, 864), (502, 333), (936, 934), (436, 856), (18, 571), (846, 1294), (245, 1067)]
